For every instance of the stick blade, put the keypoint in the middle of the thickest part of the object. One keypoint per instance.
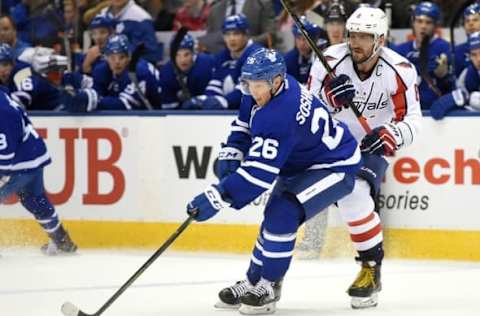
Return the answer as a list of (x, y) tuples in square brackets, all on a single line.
[(68, 309)]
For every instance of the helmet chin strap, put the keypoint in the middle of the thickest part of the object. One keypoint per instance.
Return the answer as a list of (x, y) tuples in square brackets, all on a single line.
[(274, 93)]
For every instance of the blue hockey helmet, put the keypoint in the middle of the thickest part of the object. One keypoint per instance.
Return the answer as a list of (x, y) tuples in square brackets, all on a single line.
[(472, 9), (117, 44), (474, 41), (188, 42), (6, 53), (429, 9), (237, 22), (263, 64), (102, 20), (312, 29)]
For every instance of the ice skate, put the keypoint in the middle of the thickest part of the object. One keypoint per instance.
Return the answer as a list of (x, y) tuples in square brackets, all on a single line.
[(261, 299), (59, 243), (365, 288), (229, 297)]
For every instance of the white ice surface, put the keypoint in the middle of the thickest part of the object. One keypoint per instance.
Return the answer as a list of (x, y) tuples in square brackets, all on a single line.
[(188, 283)]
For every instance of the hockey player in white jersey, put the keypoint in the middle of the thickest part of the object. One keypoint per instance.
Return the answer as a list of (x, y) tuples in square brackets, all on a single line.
[(381, 84)]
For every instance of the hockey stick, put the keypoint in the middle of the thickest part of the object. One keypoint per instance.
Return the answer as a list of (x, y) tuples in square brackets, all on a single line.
[(454, 21), (423, 65), (68, 309), (361, 119), (132, 74)]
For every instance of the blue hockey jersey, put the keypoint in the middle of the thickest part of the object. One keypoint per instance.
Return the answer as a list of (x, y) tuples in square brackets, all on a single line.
[(21, 148), (292, 133), (469, 79), (225, 76), (36, 93), (462, 57), (196, 80), (297, 65), (134, 22), (119, 93), (16, 75), (437, 47)]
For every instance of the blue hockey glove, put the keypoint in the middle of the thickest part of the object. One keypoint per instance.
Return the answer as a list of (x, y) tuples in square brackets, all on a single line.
[(447, 103), (339, 91), (192, 104), (208, 203), (384, 140), (229, 160), (85, 100)]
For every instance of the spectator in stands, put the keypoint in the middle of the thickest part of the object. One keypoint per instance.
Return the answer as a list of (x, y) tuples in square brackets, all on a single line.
[(47, 86), (117, 89), (335, 21), (38, 22), (185, 77), (101, 27), (260, 16), (8, 35), (299, 59), (223, 91), (434, 65), (193, 15), (467, 94), (11, 70), (134, 22), (471, 24)]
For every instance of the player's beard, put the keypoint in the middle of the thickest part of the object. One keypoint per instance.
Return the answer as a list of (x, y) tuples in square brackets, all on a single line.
[(359, 56)]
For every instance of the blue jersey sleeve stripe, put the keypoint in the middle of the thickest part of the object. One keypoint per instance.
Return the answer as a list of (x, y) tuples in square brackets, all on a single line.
[(261, 165), (125, 103), (241, 123), (215, 82), (214, 89), (253, 180), (277, 255), (7, 156), (240, 129), (22, 97)]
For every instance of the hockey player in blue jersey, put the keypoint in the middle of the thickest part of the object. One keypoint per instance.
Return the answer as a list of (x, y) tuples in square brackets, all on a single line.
[(100, 28), (117, 89), (46, 86), (11, 70), (435, 73), (188, 77), (471, 24), (223, 90), (23, 156), (136, 23), (285, 134), (467, 94), (299, 59)]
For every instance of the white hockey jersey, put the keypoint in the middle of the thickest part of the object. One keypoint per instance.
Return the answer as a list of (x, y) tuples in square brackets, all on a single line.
[(389, 95)]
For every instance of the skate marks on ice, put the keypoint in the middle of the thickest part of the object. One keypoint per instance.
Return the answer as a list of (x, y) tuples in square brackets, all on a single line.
[(188, 284)]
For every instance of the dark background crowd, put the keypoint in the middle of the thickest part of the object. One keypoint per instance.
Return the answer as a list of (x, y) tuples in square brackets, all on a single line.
[(174, 54)]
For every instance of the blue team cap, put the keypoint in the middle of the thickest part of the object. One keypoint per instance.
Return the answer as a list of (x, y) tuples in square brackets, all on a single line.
[(188, 42), (102, 20), (6, 53), (429, 9), (117, 44), (474, 41), (471, 10), (237, 22), (312, 29)]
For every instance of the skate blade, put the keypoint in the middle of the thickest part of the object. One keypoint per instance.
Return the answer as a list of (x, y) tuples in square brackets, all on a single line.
[(269, 308), (222, 305), (364, 302)]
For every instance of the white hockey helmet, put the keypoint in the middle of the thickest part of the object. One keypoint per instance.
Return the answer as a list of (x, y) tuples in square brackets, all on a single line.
[(371, 21)]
